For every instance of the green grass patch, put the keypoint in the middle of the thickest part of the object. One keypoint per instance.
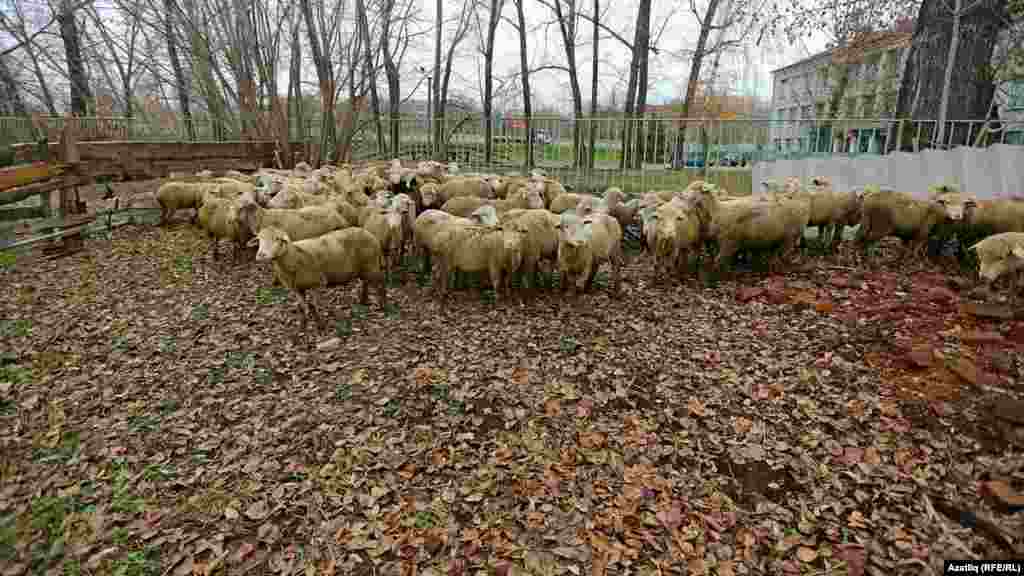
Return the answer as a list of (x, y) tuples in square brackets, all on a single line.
[(343, 328), (15, 374), (7, 260), (200, 312), (267, 296), (65, 452), (263, 376), (15, 328), (183, 264), (138, 563), (122, 500)]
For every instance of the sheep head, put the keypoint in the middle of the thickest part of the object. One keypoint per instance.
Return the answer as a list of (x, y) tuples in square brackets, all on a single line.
[(575, 231), (535, 196), (272, 242), (428, 194), (485, 215)]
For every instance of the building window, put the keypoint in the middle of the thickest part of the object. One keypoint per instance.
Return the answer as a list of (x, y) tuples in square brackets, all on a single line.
[(807, 112), (1015, 95)]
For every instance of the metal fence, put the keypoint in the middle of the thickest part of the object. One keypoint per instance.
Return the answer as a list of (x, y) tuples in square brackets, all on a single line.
[(637, 154)]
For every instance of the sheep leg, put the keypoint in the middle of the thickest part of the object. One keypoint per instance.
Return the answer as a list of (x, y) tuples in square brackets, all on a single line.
[(214, 242), (616, 264), (364, 292), (496, 281)]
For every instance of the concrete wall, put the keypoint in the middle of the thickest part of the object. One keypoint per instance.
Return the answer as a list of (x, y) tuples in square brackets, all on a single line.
[(996, 171)]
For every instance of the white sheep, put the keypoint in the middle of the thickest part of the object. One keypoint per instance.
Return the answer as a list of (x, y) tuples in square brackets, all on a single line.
[(495, 250), (218, 217), (999, 255), (583, 245), (759, 225), (887, 212), (676, 235), (426, 228), (172, 196), (333, 258), (539, 228), (385, 223), (299, 224)]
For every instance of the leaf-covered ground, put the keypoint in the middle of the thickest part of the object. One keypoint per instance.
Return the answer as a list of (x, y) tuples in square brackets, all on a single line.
[(162, 413)]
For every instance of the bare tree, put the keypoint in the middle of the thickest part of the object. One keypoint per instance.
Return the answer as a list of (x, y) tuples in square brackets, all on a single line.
[(11, 101), (524, 72), (636, 90), (441, 83), (15, 25), (321, 30), (567, 26), (80, 94), (122, 52), (493, 18)]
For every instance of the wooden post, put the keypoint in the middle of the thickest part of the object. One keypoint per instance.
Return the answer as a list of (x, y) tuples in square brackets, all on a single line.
[(69, 203)]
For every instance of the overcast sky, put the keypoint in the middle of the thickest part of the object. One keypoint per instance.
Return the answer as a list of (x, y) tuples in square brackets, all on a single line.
[(749, 73)]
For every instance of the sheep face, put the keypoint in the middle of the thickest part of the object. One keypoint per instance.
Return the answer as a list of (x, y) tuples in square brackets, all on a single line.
[(575, 231), (382, 199), (428, 194), (485, 215), (535, 197), (955, 205), (403, 204), (272, 243), (497, 184)]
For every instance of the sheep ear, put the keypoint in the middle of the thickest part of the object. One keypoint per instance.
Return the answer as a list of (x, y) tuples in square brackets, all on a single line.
[(1018, 251), (253, 242)]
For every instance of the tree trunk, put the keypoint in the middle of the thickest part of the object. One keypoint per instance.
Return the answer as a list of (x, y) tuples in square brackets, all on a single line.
[(693, 81), (567, 26), (325, 74), (970, 82), (371, 71), (435, 124), (494, 16), (13, 103), (180, 82), (524, 72), (391, 71), (296, 87), (641, 46), (592, 151), (79, 81)]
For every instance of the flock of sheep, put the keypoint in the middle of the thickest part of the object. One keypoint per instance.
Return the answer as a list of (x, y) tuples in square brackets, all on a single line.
[(335, 224)]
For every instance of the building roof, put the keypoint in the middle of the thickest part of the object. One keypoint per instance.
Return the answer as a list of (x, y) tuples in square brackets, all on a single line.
[(866, 42)]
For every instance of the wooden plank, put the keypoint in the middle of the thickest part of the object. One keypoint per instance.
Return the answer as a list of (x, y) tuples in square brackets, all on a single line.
[(13, 176), (61, 234), (22, 192), (8, 214)]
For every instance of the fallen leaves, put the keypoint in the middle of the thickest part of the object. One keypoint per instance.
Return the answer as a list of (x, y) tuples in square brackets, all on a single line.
[(734, 439)]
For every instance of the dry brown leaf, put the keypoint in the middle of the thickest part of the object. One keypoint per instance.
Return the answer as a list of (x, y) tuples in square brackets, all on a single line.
[(726, 568), (520, 376), (871, 456), (423, 375), (856, 520), (552, 407), (742, 425), (806, 555), (695, 407)]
